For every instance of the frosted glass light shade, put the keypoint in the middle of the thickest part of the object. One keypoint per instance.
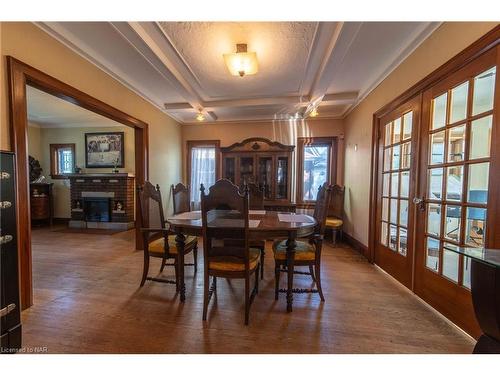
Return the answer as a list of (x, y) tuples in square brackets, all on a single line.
[(241, 63)]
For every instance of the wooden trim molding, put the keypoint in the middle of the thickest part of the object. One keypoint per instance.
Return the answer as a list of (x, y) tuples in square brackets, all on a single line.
[(355, 244), (272, 144), (476, 49), (20, 75), (332, 160), (202, 143)]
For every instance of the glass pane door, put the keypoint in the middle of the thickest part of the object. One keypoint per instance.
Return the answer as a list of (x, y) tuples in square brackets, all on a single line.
[(282, 178), (230, 169), (395, 191), (265, 175), (457, 136), (246, 169)]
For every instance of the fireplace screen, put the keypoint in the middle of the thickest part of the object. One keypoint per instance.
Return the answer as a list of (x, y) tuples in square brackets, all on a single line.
[(97, 209)]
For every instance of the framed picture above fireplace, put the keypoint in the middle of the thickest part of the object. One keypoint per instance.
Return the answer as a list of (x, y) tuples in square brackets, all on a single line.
[(104, 150)]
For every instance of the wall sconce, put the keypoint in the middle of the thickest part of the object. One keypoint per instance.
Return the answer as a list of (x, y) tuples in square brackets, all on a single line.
[(241, 63)]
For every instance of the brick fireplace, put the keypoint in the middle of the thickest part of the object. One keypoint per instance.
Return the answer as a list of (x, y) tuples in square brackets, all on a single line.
[(102, 200)]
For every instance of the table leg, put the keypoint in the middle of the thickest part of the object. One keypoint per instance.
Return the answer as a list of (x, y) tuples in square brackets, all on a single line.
[(485, 289), (180, 242), (290, 257)]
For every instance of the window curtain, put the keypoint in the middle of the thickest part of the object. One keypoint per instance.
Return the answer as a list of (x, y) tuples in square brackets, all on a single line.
[(202, 172)]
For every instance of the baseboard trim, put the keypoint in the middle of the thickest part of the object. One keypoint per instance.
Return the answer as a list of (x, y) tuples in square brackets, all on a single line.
[(355, 244), (61, 220)]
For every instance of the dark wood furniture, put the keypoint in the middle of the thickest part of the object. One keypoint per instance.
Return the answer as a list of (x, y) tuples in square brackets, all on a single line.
[(261, 161), (181, 203), (269, 227), (225, 216), (158, 240), (20, 75), (41, 202), (10, 310), (335, 215), (307, 253), (256, 202), (485, 289), (255, 195)]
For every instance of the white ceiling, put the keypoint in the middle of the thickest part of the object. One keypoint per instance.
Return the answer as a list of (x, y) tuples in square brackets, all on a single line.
[(178, 66), (48, 111)]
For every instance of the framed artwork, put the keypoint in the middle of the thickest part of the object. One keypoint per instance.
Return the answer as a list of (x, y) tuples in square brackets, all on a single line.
[(104, 150)]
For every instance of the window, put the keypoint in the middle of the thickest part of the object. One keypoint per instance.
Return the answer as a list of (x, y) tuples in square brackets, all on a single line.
[(316, 165), (62, 159), (203, 167)]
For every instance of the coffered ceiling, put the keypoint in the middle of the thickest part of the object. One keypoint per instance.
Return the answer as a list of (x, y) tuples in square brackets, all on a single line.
[(179, 66)]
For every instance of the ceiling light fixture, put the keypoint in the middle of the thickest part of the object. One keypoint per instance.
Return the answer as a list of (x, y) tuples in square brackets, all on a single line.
[(314, 113), (241, 63), (200, 117)]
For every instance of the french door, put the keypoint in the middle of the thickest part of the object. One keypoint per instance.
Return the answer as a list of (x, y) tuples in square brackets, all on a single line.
[(458, 135), (438, 186), (396, 186)]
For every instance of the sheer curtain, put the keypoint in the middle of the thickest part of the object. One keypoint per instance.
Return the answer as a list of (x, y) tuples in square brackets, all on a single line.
[(202, 172)]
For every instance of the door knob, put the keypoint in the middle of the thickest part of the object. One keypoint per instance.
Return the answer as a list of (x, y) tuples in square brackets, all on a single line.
[(420, 203)]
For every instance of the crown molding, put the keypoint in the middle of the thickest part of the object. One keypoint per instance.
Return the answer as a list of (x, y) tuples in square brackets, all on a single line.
[(420, 35), (60, 36)]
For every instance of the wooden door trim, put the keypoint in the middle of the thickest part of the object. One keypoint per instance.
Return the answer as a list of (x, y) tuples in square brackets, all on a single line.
[(482, 45), (20, 75)]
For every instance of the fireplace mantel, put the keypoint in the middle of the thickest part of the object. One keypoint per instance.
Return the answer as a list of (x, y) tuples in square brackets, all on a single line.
[(91, 175), (117, 187)]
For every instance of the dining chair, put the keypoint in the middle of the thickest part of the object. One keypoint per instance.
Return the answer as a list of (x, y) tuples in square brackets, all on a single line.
[(256, 202), (158, 241), (255, 196), (335, 216), (307, 252), (224, 215), (181, 200)]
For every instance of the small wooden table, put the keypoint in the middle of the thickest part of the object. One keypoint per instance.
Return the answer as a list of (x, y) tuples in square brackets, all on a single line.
[(270, 227)]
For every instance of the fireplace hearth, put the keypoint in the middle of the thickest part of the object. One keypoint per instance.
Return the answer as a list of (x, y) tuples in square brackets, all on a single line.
[(97, 209)]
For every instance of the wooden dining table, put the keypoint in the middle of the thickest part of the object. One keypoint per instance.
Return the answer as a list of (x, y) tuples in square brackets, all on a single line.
[(269, 227)]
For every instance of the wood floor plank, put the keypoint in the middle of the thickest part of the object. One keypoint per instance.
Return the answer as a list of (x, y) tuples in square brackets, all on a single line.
[(87, 300)]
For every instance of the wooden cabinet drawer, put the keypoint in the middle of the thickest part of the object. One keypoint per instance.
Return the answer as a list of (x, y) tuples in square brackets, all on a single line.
[(40, 208)]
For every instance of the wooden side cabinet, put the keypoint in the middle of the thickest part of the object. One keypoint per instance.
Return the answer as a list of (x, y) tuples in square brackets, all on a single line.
[(41, 202)]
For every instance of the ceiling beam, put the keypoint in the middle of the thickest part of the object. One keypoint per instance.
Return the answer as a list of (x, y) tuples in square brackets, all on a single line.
[(251, 102), (336, 98), (154, 39)]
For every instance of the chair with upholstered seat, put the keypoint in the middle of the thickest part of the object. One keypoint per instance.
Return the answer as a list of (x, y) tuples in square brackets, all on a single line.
[(181, 203), (335, 217), (308, 251), (256, 202), (226, 246), (158, 241)]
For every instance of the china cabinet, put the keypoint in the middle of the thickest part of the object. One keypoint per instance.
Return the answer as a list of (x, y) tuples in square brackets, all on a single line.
[(265, 163)]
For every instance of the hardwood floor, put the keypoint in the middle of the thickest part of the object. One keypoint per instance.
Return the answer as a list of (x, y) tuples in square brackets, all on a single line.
[(88, 300)]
